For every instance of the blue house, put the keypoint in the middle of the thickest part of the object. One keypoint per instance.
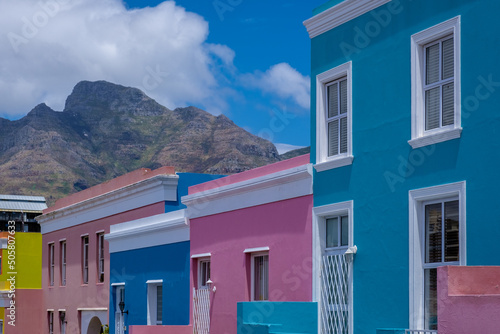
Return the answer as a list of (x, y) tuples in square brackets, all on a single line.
[(149, 263), (405, 118)]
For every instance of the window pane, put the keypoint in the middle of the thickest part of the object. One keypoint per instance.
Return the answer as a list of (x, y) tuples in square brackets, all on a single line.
[(433, 218), (343, 135), (159, 304), (448, 59), (345, 231), (432, 107), (261, 277), (333, 100), (343, 97), (332, 232), (451, 214), (333, 138), (448, 104), (430, 295), (432, 64)]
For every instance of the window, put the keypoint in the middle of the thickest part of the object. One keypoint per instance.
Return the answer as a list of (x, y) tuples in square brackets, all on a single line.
[(119, 297), (436, 84), (334, 118), (63, 262), (260, 276), (51, 264), (332, 268), (51, 321), (1, 266), (155, 302), (85, 259), (100, 257), (203, 273), (62, 320), (437, 238)]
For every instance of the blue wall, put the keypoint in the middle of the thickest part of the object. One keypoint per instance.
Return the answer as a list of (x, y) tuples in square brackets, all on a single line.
[(187, 180), (381, 81), (135, 267)]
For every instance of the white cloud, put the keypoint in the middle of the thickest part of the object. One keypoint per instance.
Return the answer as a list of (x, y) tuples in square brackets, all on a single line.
[(283, 148), (283, 81), (48, 46)]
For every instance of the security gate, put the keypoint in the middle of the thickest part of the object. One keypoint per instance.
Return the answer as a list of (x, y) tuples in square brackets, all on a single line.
[(335, 277), (201, 311)]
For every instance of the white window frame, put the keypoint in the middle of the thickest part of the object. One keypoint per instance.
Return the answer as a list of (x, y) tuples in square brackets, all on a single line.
[(119, 317), (320, 215), (85, 259), (100, 257), (252, 274), (417, 199), (51, 264), (323, 161), (419, 136), (63, 246), (153, 302), (201, 261)]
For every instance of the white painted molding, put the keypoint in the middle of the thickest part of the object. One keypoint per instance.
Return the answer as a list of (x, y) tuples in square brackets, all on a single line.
[(282, 185), (154, 281), (199, 256), (117, 284), (435, 138), (162, 229), (343, 12), (92, 309), (334, 163), (255, 250), (153, 190), (61, 310)]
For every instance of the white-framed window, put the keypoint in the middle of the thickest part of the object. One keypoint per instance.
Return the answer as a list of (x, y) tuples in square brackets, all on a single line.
[(437, 238), (51, 264), (435, 70), (259, 276), (333, 245), (85, 259), (63, 262), (155, 302), (100, 257), (50, 316), (203, 273), (334, 118)]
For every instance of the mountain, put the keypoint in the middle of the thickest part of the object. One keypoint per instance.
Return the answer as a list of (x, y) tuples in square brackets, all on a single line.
[(295, 153), (106, 130)]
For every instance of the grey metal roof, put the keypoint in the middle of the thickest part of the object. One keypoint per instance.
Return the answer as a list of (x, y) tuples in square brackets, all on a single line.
[(22, 203)]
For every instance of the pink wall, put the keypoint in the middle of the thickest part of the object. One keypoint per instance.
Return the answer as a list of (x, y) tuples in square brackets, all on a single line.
[(284, 227), (29, 312), (250, 174), (76, 295), (468, 300)]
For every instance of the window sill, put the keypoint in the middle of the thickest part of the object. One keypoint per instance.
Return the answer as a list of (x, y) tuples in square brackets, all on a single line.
[(334, 163), (435, 138)]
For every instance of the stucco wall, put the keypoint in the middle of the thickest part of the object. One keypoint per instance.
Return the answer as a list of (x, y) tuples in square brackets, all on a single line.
[(284, 227), (469, 300)]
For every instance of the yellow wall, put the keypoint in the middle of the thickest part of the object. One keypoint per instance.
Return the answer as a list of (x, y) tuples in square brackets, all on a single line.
[(28, 261)]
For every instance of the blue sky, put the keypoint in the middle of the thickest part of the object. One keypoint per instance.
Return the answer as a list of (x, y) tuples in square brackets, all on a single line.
[(246, 59)]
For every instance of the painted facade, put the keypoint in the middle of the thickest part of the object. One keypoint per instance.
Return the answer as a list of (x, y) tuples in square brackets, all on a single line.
[(20, 264), (150, 267), (404, 122), (76, 262), (251, 241)]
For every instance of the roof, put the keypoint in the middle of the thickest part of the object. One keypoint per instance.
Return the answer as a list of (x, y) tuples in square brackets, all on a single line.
[(16, 203)]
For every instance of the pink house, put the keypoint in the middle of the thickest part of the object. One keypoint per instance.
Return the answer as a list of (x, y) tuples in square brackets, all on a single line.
[(251, 241), (75, 264)]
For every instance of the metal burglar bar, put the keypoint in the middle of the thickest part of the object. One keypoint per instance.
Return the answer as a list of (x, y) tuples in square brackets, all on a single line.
[(420, 331), (335, 294), (201, 311)]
